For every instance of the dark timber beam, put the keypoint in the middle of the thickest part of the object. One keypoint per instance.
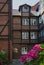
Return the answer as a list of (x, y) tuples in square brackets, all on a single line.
[(3, 6)]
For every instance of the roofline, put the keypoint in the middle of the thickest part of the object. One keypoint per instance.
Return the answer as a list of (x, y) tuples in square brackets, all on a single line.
[(35, 4), (24, 4)]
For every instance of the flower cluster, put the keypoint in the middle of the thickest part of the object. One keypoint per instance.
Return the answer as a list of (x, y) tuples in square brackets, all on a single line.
[(32, 54), (0, 62)]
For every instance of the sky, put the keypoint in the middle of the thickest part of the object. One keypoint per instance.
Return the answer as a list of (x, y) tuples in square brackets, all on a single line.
[(17, 3)]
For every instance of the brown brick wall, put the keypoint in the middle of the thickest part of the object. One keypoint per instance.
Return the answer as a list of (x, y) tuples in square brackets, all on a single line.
[(16, 20), (33, 27), (25, 14), (2, 0), (3, 20), (4, 28), (17, 41), (4, 45), (5, 9), (17, 34), (25, 41), (25, 27), (17, 27), (5, 31)]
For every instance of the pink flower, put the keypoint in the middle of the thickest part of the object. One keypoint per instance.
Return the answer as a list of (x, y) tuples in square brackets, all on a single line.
[(33, 54), (30, 57), (0, 62), (37, 47), (23, 58)]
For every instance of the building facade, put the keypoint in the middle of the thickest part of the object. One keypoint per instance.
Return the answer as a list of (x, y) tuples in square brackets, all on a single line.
[(5, 26), (41, 21), (41, 28), (25, 30), (20, 29)]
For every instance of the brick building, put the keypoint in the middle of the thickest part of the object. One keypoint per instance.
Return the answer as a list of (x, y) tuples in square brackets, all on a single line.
[(19, 29), (5, 26), (25, 30)]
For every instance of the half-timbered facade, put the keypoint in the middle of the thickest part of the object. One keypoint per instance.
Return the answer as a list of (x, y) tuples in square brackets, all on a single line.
[(5, 25), (25, 30)]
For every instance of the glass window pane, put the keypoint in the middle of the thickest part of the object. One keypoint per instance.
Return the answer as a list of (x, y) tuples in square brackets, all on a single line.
[(25, 21), (33, 21), (25, 9), (33, 35), (25, 35), (24, 50)]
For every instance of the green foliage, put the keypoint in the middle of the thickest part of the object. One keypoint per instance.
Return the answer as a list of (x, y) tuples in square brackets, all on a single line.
[(39, 60), (28, 62), (3, 56), (41, 63), (42, 45)]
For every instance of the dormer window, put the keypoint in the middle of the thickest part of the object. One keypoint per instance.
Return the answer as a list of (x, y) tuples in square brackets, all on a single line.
[(25, 9)]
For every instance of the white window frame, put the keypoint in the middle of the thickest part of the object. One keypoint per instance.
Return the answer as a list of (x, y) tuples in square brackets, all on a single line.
[(33, 21), (40, 20), (25, 9), (33, 35), (24, 50), (25, 21), (25, 35)]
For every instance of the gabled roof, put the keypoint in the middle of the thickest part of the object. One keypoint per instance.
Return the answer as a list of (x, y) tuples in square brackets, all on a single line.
[(37, 13), (15, 12), (24, 5), (33, 8)]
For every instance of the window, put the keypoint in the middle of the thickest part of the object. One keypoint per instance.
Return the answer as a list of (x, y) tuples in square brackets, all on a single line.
[(41, 33), (25, 21), (24, 50), (33, 35), (43, 18), (40, 20), (38, 8), (25, 9), (25, 35), (33, 21)]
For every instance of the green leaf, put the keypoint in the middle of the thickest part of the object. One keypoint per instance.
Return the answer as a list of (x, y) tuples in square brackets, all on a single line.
[(41, 63), (42, 45)]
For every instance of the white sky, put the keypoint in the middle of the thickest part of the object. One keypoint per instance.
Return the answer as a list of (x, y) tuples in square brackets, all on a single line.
[(17, 3)]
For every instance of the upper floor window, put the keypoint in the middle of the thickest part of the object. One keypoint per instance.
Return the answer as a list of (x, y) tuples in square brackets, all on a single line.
[(40, 20), (33, 35), (25, 35), (25, 21), (25, 9), (33, 21)]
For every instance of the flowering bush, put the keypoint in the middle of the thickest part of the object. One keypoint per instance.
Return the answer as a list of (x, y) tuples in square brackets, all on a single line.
[(3, 56), (35, 56)]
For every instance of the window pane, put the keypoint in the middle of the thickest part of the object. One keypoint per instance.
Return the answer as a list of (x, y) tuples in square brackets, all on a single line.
[(33, 21), (25, 35), (24, 50), (25, 21), (41, 33), (40, 20), (25, 9), (33, 35)]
